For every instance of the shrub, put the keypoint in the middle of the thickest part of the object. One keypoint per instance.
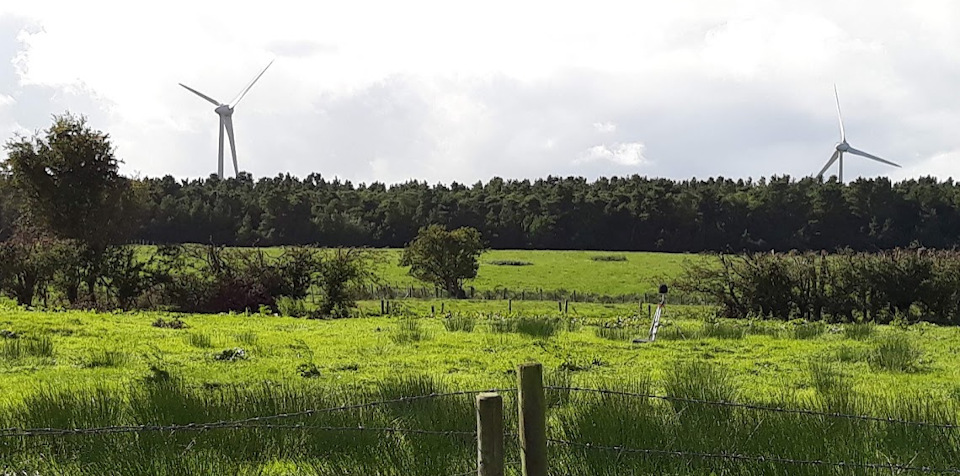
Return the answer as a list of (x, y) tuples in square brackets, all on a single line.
[(509, 262)]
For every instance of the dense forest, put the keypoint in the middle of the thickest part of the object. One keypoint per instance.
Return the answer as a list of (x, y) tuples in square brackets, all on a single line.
[(630, 213)]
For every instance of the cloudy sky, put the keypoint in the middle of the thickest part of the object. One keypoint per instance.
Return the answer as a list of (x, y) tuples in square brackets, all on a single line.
[(464, 91)]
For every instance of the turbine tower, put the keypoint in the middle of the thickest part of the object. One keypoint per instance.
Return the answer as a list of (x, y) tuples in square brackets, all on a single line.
[(843, 147), (225, 111)]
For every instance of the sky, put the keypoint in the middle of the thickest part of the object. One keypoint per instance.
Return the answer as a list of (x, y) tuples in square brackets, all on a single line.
[(447, 91)]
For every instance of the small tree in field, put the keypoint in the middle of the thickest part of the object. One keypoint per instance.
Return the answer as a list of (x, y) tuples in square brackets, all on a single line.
[(340, 272), (444, 258)]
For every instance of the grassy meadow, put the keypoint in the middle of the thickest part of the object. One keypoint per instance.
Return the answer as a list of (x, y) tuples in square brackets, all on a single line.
[(599, 272), (80, 370)]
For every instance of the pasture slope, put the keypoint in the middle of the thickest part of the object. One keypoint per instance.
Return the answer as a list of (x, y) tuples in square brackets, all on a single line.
[(83, 370)]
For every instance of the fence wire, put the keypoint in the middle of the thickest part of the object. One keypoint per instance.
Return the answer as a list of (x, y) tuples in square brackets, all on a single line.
[(252, 422), (233, 426), (757, 459), (749, 406)]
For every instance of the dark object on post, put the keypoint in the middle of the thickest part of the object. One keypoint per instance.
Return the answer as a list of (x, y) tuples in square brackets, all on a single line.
[(663, 289)]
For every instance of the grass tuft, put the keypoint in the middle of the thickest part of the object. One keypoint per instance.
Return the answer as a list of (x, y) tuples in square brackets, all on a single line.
[(408, 331), (859, 330), (895, 353), (16, 349), (459, 323), (199, 340)]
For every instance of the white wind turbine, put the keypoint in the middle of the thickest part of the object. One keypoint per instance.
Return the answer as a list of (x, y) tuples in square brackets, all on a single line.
[(225, 111), (844, 147)]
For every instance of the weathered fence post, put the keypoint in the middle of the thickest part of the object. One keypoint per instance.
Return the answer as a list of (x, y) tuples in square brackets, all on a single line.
[(383, 308), (441, 307), (490, 454), (559, 306), (566, 306), (510, 305), (533, 420)]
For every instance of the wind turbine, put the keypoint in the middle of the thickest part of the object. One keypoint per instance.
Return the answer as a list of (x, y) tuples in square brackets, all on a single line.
[(843, 147), (225, 111)]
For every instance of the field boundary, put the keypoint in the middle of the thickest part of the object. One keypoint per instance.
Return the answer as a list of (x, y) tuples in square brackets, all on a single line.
[(532, 432)]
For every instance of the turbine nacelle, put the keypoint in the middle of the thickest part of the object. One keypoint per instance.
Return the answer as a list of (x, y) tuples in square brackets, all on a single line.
[(843, 146), (223, 110)]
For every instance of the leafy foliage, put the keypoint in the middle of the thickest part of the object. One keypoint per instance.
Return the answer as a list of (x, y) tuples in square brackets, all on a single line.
[(444, 258)]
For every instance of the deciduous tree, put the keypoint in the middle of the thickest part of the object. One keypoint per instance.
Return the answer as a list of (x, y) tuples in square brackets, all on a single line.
[(444, 258)]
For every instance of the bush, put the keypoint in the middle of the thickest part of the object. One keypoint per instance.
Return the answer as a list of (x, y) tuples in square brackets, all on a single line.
[(509, 262)]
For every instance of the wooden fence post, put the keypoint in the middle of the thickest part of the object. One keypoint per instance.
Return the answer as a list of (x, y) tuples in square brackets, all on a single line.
[(533, 420), (510, 305), (490, 456)]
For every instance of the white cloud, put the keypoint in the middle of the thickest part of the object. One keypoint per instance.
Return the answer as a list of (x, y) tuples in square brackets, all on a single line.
[(605, 127), (442, 91), (630, 153)]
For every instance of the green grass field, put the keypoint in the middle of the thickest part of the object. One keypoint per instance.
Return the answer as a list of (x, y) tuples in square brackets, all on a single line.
[(76, 369), (554, 270)]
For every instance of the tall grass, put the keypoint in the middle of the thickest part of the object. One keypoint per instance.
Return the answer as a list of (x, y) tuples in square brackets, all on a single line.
[(199, 340), (641, 423), (459, 323), (895, 353), (859, 330), (407, 331), (16, 349), (618, 333), (245, 450)]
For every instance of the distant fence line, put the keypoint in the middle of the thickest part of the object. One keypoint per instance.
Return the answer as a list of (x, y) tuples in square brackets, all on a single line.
[(531, 433), (402, 291)]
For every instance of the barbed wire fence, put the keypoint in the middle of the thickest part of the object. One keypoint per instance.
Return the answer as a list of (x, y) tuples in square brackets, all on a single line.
[(532, 436)]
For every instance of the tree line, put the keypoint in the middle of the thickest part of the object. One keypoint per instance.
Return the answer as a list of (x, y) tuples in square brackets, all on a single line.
[(631, 213), (618, 213)]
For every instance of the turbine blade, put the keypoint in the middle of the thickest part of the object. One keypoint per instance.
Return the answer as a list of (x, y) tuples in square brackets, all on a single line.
[(228, 121), (244, 93), (843, 135), (198, 93), (220, 153), (833, 158), (864, 154)]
